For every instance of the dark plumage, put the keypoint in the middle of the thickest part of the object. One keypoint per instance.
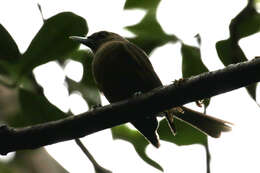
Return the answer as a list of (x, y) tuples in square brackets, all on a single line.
[(122, 69)]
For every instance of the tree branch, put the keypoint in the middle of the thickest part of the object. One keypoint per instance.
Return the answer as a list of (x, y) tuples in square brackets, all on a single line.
[(180, 92)]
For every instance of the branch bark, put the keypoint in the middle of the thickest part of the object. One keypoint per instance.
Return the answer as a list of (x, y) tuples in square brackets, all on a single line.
[(180, 92)]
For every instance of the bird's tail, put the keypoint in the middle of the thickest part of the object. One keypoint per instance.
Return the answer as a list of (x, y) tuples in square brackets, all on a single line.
[(148, 127), (209, 125)]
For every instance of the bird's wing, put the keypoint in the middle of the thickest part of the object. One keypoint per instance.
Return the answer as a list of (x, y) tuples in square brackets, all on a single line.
[(137, 74), (142, 63)]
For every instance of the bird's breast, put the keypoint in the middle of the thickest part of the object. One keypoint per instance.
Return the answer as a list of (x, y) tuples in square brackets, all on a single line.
[(119, 73), (114, 74)]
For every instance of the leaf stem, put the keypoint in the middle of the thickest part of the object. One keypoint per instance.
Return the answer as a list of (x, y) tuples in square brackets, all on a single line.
[(98, 168)]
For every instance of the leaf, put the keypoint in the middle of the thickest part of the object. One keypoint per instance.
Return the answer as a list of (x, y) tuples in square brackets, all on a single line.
[(8, 48), (192, 64), (52, 41), (87, 85), (9, 52), (246, 23), (143, 4), (186, 134), (149, 33), (35, 109), (191, 61), (227, 54), (251, 89), (230, 53), (137, 140)]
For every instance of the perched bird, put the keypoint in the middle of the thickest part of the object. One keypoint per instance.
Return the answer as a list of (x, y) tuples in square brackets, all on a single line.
[(122, 69)]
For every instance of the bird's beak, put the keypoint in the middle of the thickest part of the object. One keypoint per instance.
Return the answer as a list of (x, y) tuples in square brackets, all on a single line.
[(84, 40)]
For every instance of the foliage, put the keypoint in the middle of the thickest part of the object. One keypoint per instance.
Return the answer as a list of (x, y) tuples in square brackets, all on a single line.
[(52, 43), (30, 105), (246, 23)]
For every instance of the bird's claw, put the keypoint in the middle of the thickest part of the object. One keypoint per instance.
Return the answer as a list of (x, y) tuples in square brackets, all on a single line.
[(93, 107)]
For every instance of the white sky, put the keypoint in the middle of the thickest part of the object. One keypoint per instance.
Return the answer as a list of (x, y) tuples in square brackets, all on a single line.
[(237, 151)]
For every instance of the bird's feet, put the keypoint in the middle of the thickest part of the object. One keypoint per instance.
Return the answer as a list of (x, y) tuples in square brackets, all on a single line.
[(178, 82), (93, 107)]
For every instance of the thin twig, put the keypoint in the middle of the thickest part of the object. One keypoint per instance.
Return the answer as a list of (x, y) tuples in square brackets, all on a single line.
[(208, 156), (40, 9), (97, 167)]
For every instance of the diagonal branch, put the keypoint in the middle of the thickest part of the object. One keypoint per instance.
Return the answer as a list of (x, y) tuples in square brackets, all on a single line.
[(184, 91)]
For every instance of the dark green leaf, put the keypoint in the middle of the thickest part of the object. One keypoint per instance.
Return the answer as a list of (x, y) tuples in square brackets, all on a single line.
[(231, 53), (35, 109), (251, 89), (246, 23), (137, 140), (52, 41), (87, 85), (8, 48), (9, 52), (192, 64), (143, 4), (186, 134), (226, 53), (149, 33), (191, 61)]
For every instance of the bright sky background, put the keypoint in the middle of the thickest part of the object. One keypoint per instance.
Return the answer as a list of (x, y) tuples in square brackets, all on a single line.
[(237, 151)]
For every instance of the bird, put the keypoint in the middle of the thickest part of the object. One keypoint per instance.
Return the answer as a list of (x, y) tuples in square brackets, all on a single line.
[(121, 69)]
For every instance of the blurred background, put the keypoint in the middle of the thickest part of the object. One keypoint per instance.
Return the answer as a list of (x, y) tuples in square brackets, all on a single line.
[(236, 151)]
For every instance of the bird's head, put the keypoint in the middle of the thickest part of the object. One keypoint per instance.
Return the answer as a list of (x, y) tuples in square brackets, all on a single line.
[(95, 40)]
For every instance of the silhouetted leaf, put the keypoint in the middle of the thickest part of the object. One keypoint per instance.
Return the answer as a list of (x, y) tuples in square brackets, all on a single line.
[(137, 140), (251, 89), (35, 109), (9, 52), (192, 64), (143, 4), (149, 33), (186, 134), (52, 41), (191, 61), (227, 54), (246, 23), (230, 53), (87, 85), (8, 48)]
